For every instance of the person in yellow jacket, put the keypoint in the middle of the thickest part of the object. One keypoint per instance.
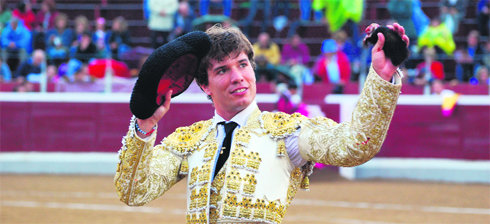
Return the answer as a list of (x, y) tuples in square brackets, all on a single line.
[(244, 165), (437, 34), (337, 12), (267, 49)]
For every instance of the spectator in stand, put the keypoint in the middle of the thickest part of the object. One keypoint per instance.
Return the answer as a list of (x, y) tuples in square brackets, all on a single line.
[(280, 15), (267, 49), (24, 13), (429, 69), (101, 38), (419, 18), (338, 13), (452, 12), (183, 20), (5, 15), (353, 52), (486, 54), (333, 66), (161, 20), (401, 11), (45, 20), (46, 17), (31, 69), (290, 100), (16, 40), (59, 40), (295, 50), (468, 58), (86, 50), (482, 15), (82, 75), (437, 34), (254, 5), (82, 26), (23, 87), (267, 56), (205, 4), (5, 73), (481, 76), (119, 38)]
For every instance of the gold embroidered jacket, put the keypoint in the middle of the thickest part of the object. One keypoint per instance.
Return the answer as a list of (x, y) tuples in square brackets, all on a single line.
[(258, 181)]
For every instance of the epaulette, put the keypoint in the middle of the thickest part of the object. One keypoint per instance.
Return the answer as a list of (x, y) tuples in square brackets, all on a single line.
[(280, 125), (184, 140)]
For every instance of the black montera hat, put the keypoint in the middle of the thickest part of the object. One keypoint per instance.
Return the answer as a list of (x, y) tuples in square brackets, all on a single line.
[(171, 66)]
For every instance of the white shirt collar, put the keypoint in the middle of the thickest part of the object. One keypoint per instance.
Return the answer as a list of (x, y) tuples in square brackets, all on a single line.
[(240, 118)]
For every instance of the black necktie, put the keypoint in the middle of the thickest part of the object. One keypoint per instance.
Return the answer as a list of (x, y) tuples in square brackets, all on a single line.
[(225, 147)]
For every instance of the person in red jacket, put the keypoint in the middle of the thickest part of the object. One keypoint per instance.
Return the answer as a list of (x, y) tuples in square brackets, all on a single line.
[(24, 13), (430, 68), (333, 66)]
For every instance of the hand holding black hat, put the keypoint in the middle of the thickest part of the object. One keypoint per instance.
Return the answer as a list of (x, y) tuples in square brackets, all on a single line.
[(148, 124)]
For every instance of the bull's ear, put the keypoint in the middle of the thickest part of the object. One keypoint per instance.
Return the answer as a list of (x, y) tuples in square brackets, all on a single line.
[(394, 47)]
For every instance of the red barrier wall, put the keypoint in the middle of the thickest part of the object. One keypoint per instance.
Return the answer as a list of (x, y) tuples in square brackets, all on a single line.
[(81, 127), (416, 131)]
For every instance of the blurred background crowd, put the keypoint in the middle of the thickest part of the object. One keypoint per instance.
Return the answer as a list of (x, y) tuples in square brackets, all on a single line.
[(75, 44)]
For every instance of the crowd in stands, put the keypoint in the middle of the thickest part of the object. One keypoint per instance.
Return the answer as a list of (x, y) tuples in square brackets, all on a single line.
[(63, 46)]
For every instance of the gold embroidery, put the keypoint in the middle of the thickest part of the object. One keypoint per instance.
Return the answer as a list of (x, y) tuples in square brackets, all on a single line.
[(242, 137), (279, 124), (272, 211), (193, 199), (213, 215), (357, 141), (246, 208), (230, 205), (281, 148), (254, 161), (186, 139), (238, 157), (204, 217), (249, 184), (203, 197), (193, 177), (204, 172), (210, 150), (294, 182), (233, 181), (144, 172), (184, 167), (259, 209)]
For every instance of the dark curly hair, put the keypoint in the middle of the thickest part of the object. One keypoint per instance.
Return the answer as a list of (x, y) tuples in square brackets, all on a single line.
[(225, 41)]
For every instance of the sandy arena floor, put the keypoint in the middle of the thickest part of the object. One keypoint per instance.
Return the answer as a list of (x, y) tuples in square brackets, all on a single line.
[(92, 199)]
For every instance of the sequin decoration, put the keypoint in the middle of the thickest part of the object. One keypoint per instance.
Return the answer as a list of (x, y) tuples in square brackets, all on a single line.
[(230, 206), (249, 183), (280, 125), (253, 161), (233, 181), (187, 139), (281, 148), (246, 208)]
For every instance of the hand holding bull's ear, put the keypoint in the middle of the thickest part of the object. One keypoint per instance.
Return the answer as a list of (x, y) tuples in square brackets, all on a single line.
[(390, 48)]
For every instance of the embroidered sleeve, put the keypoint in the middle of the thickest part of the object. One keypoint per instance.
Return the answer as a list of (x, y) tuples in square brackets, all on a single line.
[(144, 172), (354, 142)]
